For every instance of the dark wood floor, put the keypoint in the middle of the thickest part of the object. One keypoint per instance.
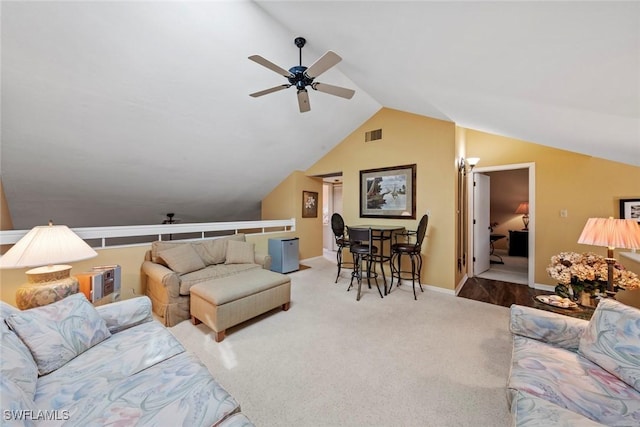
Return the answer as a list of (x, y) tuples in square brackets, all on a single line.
[(499, 293)]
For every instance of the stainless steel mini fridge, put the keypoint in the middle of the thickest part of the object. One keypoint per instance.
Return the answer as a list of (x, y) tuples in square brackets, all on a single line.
[(284, 254)]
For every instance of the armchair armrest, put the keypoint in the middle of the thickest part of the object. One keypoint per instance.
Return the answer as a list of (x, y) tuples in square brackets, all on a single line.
[(126, 314), (264, 260), (161, 274), (556, 329)]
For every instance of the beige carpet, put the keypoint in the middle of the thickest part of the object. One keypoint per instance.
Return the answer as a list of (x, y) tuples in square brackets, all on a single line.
[(333, 361)]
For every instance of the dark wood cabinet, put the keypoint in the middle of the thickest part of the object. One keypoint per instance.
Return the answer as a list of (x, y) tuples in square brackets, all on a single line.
[(519, 243)]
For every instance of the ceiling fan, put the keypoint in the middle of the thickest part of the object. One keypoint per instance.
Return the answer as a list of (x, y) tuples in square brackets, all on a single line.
[(170, 219), (301, 77)]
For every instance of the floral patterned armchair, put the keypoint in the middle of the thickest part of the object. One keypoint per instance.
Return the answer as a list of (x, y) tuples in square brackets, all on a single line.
[(567, 371)]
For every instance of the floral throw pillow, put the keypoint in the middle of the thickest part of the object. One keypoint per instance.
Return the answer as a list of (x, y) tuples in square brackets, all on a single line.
[(58, 332), (612, 340)]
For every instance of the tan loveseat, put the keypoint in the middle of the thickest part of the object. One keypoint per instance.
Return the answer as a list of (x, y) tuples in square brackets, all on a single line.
[(171, 268)]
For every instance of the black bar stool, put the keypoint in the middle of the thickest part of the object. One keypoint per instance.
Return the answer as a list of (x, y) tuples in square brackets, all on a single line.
[(363, 251), (413, 250), (342, 241)]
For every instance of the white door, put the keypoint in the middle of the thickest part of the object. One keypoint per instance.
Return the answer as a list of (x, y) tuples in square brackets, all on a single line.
[(327, 208), (337, 205), (481, 223)]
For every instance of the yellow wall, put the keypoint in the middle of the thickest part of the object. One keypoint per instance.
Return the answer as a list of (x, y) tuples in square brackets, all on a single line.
[(285, 201), (407, 139), (5, 215), (130, 260), (585, 186)]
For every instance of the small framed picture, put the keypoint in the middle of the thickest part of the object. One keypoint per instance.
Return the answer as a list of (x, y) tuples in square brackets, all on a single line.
[(309, 204), (630, 209)]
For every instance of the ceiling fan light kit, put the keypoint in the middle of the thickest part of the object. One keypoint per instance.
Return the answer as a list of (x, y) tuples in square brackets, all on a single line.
[(301, 77)]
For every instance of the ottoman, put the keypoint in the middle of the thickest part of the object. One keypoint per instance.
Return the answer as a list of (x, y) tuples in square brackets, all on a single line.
[(228, 301)]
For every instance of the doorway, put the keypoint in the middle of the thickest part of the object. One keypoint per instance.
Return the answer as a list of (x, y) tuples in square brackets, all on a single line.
[(331, 203), (502, 223)]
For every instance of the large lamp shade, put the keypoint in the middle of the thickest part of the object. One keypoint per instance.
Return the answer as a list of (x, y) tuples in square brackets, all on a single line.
[(47, 245), (611, 233), (47, 248)]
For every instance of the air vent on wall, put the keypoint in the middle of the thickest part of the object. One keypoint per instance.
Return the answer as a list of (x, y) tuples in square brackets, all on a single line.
[(373, 135)]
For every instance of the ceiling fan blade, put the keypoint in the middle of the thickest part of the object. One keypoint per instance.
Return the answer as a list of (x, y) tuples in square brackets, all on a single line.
[(270, 65), (323, 63), (270, 90), (334, 90), (303, 101)]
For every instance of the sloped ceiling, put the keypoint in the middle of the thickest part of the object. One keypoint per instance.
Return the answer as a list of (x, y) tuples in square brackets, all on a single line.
[(118, 112)]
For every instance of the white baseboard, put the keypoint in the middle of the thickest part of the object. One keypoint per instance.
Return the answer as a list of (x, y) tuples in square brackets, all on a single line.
[(439, 289), (548, 288)]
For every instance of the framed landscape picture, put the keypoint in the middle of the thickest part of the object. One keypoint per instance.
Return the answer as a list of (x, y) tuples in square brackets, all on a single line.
[(309, 204), (630, 209), (388, 192)]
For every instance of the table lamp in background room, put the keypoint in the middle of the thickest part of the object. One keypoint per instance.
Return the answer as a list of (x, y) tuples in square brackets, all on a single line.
[(47, 248), (611, 233), (523, 209)]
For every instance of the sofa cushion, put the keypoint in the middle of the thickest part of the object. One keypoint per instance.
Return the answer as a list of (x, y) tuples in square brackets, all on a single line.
[(107, 364), (17, 364), (212, 272), (567, 379), (240, 253), (58, 332), (15, 401), (159, 246), (612, 340), (235, 287), (531, 411), (180, 391), (121, 315), (182, 259), (552, 328), (216, 249), (211, 251)]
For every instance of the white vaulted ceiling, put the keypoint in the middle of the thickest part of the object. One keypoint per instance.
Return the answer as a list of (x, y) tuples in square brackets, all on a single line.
[(119, 112)]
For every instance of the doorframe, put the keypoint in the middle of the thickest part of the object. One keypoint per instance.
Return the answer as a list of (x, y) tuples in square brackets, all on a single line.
[(531, 167), (332, 181)]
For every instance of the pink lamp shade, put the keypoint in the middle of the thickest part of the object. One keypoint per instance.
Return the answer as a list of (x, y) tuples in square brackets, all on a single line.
[(611, 233), (523, 208)]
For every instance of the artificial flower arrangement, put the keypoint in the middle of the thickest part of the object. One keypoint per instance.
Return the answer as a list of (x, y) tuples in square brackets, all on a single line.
[(587, 272)]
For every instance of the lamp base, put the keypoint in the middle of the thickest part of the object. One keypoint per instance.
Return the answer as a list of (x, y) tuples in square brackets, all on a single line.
[(46, 285), (610, 262)]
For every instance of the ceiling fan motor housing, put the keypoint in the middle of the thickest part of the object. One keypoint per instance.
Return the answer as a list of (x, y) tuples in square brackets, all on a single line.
[(298, 77)]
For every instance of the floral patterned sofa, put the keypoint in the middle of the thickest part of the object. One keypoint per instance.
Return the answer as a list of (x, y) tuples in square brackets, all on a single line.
[(72, 364), (572, 372)]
